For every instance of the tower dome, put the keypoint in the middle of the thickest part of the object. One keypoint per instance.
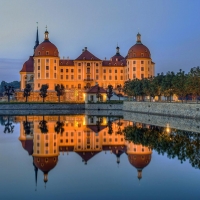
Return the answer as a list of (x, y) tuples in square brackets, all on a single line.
[(138, 50), (46, 48)]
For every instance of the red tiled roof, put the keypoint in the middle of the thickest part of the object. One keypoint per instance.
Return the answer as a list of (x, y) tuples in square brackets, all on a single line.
[(113, 63), (94, 89), (28, 146), (86, 55), (66, 63), (87, 155), (28, 65)]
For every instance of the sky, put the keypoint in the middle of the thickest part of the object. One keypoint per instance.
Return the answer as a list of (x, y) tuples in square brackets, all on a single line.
[(169, 28)]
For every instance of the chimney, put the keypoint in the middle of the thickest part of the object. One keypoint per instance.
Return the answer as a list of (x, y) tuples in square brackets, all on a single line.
[(85, 48)]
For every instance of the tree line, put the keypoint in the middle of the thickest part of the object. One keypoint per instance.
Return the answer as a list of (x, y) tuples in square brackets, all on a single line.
[(184, 85)]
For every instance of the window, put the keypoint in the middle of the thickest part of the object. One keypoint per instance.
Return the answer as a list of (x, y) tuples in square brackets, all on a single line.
[(72, 86), (79, 86), (104, 77), (104, 71), (79, 77), (67, 86), (38, 75), (88, 70), (38, 52), (38, 60), (97, 77), (134, 62), (142, 55), (38, 144), (110, 71), (142, 62), (66, 134), (91, 99), (115, 77), (38, 84), (67, 70), (61, 70), (46, 144), (134, 76), (116, 71), (97, 71), (121, 77), (88, 77), (97, 64), (104, 139), (38, 67), (134, 68), (54, 144), (54, 61), (110, 77), (47, 53), (115, 139), (72, 77), (66, 140), (97, 140), (72, 70), (61, 77), (72, 140), (54, 67), (121, 70), (142, 68), (142, 75), (88, 64), (79, 70), (148, 69), (47, 67), (67, 77), (47, 75), (61, 141)]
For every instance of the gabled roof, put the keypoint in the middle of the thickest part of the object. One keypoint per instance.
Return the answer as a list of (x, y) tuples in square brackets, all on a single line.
[(66, 62), (94, 89), (87, 155), (95, 128), (86, 55)]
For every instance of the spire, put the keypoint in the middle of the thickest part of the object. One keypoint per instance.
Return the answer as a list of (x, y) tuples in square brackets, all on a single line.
[(117, 50), (36, 174), (139, 174), (46, 34), (139, 38), (37, 39)]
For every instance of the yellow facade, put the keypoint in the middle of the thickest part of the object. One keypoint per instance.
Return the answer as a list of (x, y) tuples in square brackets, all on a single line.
[(87, 69)]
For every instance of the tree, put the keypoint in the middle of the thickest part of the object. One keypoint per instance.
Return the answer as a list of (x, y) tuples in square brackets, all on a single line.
[(98, 94), (27, 127), (180, 84), (43, 91), (60, 89), (43, 126), (59, 126), (110, 91), (8, 127), (27, 91), (119, 88), (9, 91), (109, 125)]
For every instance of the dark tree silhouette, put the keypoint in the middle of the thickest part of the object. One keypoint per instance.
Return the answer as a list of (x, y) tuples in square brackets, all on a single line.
[(119, 88), (27, 91), (119, 123), (59, 126), (9, 91), (27, 127), (9, 128), (109, 125), (98, 124), (60, 89), (43, 126), (98, 94), (43, 91), (110, 91)]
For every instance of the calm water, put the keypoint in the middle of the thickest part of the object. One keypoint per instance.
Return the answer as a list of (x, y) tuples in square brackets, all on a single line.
[(89, 157)]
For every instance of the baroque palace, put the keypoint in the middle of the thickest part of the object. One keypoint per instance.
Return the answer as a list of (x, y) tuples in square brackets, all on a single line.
[(84, 135), (46, 67)]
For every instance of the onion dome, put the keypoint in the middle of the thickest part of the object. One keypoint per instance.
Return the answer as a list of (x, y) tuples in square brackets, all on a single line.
[(138, 50), (46, 48), (139, 161), (28, 65), (45, 164), (117, 56)]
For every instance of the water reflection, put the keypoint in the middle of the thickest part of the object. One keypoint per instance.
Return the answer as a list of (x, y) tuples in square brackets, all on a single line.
[(45, 137)]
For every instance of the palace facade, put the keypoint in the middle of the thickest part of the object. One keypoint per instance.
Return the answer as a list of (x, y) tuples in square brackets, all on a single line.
[(46, 67)]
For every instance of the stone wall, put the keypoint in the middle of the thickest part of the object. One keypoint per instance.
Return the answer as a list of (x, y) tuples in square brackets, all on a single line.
[(161, 120), (103, 106), (167, 109)]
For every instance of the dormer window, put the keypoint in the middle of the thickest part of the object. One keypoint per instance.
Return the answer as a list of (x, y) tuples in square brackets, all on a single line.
[(38, 52), (92, 58), (83, 58), (47, 53), (134, 55), (42, 48), (142, 54), (88, 64), (116, 59)]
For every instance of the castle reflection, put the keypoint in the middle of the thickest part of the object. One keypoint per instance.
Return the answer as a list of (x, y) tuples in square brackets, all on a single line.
[(45, 137)]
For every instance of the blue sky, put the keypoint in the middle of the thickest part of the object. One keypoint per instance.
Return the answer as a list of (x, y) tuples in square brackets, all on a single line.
[(169, 28)]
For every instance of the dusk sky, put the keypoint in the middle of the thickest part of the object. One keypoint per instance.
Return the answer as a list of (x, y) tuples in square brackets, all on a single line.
[(169, 28)]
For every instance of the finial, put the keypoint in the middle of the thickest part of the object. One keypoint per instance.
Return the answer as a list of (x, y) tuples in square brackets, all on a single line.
[(46, 27), (37, 24)]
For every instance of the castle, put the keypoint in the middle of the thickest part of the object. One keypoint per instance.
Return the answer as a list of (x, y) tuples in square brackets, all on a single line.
[(46, 67)]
